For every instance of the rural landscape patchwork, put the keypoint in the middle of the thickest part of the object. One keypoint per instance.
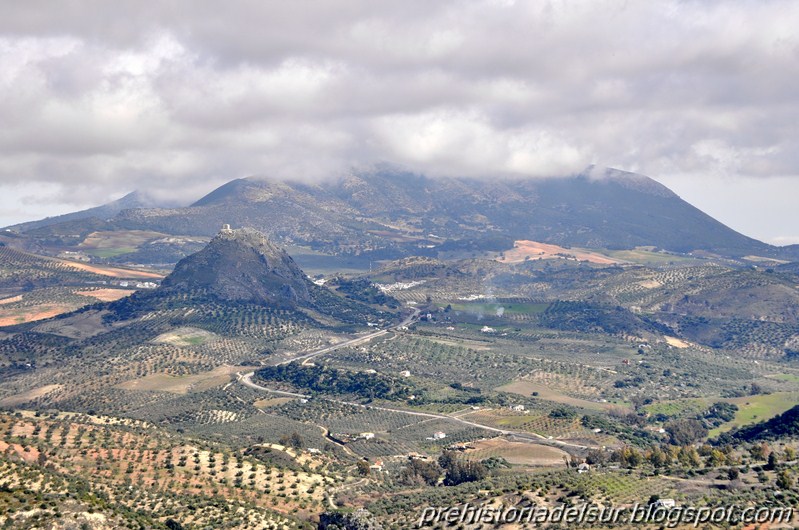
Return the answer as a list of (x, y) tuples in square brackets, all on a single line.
[(362, 352), (409, 265)]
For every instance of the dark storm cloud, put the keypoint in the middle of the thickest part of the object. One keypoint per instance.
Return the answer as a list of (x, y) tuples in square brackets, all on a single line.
[(101, 97)]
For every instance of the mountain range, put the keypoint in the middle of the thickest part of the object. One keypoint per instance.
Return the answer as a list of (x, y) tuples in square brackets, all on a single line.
[(385, 214), (134, 199)]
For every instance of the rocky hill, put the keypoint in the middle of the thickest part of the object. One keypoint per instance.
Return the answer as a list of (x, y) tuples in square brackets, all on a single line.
[(242, 265)]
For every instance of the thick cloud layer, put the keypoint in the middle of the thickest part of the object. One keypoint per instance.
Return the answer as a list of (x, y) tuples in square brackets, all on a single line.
[(98, 98)]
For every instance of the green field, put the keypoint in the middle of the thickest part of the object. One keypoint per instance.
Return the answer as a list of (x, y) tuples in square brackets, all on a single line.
[(754, 409), (678, 407), (647, 257), (110, 252), (788, 378), (492, 308), (112, 244)]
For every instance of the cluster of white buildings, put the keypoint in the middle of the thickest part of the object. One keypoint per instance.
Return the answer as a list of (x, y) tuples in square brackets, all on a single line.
[(398, 286), (137, 285)]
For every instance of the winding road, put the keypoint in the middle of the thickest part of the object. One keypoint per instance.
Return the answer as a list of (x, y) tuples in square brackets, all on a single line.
[(246, 380), (354, 342)]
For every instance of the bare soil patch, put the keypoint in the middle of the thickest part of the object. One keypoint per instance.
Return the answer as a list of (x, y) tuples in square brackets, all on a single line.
[(114, 272), (517, 453), (524, 249), (526, 388), (186, 336), (106, 295), (677, 343), (271, 402), (29, 395), (32, 314), (650, 284), (11, 299), (183, 384)]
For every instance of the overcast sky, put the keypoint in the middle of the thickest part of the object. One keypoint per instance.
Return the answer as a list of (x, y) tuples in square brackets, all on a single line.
[(100, 98)]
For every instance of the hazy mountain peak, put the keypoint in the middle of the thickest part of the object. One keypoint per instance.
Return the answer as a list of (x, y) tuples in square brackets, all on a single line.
[(389, 213), (629, 180), (225, 193), (134, 199)]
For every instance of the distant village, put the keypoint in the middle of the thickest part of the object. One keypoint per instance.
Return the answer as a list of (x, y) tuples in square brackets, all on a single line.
[(129, 284)]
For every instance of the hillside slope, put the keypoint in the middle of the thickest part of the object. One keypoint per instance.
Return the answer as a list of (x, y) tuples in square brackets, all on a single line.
[(134, 199), (401, 213), (389, 214), (242, 265)]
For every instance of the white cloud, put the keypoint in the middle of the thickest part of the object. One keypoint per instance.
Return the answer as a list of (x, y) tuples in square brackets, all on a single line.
[(451, 142), (98, 96)]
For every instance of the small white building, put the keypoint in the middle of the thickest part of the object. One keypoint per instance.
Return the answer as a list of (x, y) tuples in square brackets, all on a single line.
[(517, 408), (439, 435), (487, 329), (405, 373), (583, 468), (367, 435)]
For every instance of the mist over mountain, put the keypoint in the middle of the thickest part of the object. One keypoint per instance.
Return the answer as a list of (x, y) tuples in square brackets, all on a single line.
[(387, 213), (398, 211), (420, 300), (134, 199)]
